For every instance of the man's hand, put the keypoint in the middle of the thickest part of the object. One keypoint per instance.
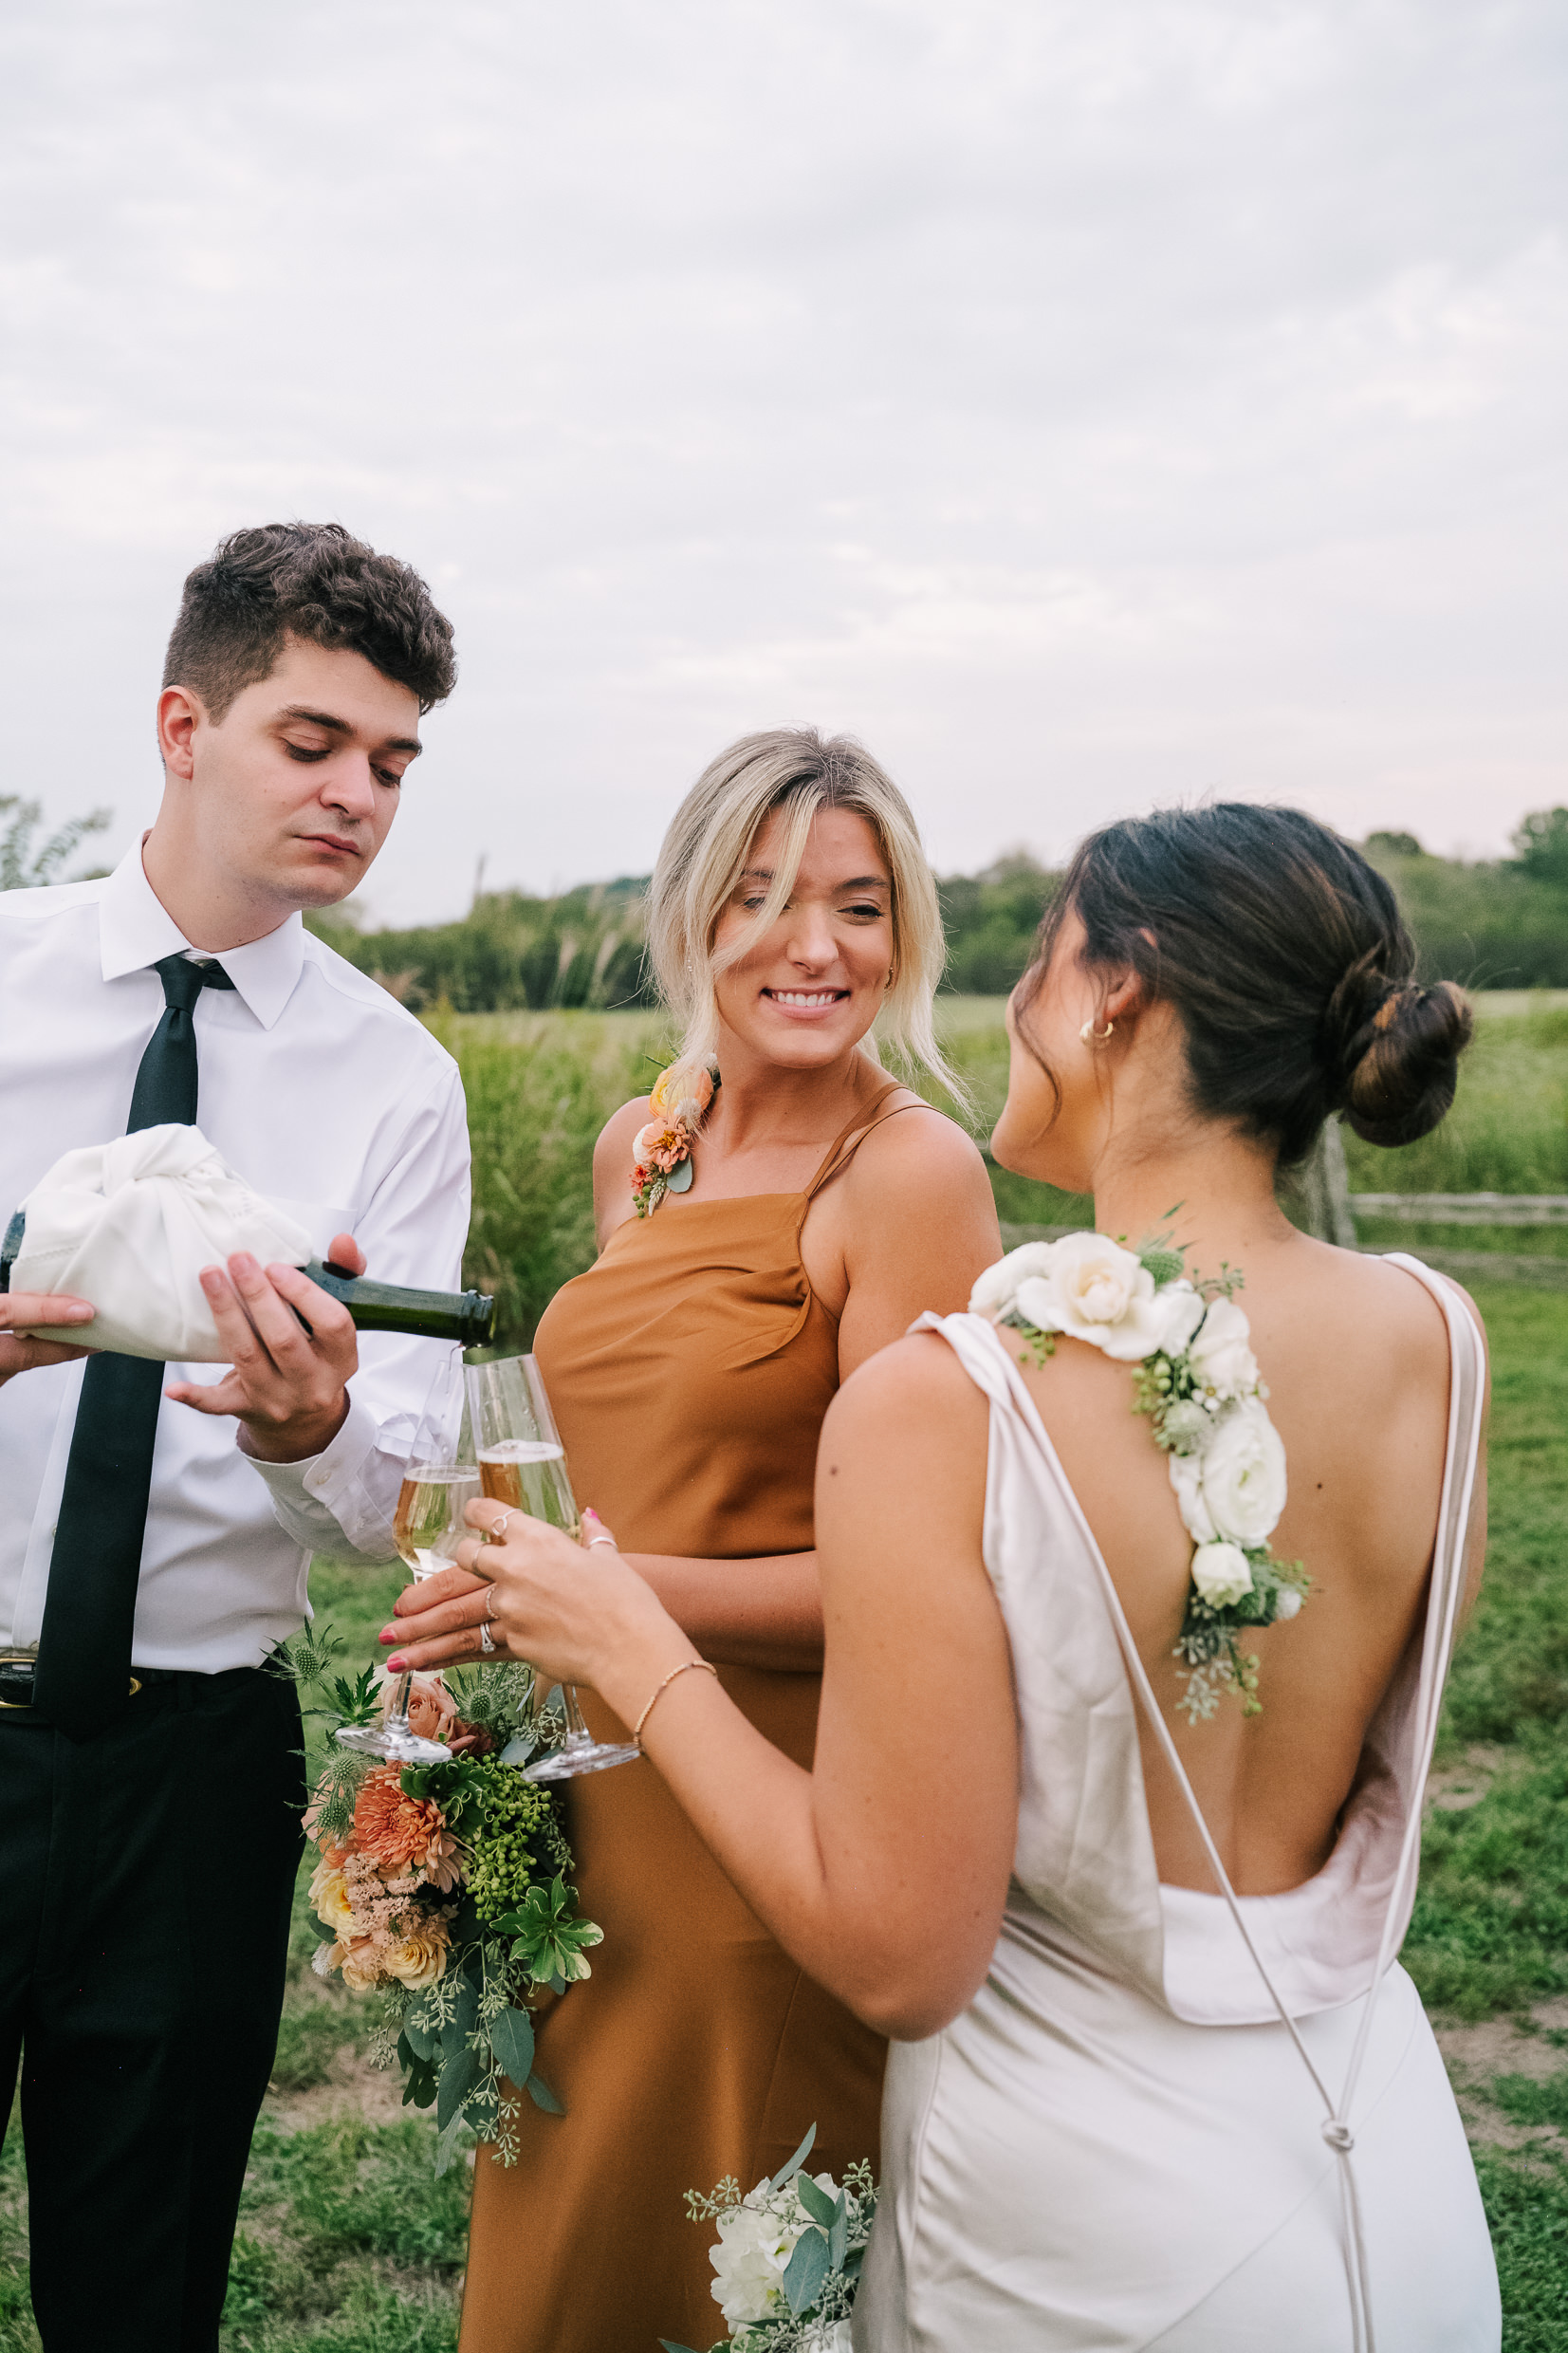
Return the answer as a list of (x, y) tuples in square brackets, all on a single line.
[(287, 1386), (19, 1312)]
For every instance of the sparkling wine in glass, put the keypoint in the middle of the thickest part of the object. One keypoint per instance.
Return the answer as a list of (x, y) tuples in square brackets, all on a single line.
[(429, 1525), (522, 1464)]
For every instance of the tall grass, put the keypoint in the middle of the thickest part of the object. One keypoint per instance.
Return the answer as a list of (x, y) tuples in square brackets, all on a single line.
[(541, 1086)]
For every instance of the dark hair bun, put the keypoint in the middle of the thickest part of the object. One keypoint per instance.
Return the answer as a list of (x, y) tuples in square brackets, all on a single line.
[(1285, 953), (1399, 1065)]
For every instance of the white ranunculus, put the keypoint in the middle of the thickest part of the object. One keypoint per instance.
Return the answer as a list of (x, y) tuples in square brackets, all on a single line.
[(754, 2246), (1186, 1478), (1185, 1426), (1222, 1573), (1286, 1602), (1222, 1357), (1242, 1470), (998, 1286)]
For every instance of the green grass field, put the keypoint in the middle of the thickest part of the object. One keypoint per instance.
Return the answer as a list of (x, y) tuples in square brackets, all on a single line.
[(348, 2243)]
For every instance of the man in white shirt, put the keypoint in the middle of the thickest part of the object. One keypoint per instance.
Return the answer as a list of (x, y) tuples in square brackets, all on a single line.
[(150, 1776)]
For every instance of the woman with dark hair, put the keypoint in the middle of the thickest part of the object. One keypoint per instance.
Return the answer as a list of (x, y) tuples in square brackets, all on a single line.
[(1112, 1819)]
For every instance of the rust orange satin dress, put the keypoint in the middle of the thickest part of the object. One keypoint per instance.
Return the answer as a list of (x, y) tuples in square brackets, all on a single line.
[(690, 1370)]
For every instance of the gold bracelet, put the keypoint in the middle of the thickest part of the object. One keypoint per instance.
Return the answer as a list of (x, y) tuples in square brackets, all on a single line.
[(707, 1667)]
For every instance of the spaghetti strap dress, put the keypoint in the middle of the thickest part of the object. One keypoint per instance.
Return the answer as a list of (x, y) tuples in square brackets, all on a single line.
[(1201, 2123), (689, 1369)]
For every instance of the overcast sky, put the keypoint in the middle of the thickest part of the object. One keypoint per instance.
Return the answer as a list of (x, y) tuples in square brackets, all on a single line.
[(1086, 402)]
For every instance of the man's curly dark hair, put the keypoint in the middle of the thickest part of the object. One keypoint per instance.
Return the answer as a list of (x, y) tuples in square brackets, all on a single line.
[(311, 581)]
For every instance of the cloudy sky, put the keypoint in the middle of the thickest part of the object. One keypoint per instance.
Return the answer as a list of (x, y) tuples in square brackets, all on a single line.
[(1087, 402)]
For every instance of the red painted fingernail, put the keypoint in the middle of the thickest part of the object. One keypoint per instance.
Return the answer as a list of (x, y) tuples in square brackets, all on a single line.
[(397, 1665), (387, 1633)]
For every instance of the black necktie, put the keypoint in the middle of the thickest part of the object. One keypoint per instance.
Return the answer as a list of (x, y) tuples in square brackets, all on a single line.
[(82, 1678)]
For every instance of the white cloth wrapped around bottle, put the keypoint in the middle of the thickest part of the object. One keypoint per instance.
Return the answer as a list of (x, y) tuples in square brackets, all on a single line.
[(130, 1225)]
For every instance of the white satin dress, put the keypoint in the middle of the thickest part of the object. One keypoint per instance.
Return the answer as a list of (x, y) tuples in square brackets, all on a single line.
[(1198, 2123)]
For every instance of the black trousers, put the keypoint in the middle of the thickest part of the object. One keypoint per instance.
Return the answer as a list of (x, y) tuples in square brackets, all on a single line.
[(145, 1880)]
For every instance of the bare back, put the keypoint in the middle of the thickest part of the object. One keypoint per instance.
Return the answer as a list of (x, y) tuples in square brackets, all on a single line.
[(1354, 1353)]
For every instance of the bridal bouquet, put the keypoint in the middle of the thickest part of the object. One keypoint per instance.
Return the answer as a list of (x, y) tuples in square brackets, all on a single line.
[(447, 1888), (1198, 1382), (788, 2258)]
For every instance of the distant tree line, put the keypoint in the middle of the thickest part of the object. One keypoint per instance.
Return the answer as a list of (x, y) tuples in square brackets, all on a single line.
[(1498, 923), (1494, 924)]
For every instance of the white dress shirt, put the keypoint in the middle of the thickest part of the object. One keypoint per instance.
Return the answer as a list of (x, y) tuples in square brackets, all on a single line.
[(326, 1096)]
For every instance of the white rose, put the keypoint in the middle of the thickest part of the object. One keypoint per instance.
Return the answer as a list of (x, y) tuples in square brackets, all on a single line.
[(1180, 1309), (1222, 1357), (1244, 1474), (1222, 1573), (1185, 1426), (753, 2249), (1186, 1478), (1097, 1291), (998, 1286), (1097, 1280), (1036, 1302)]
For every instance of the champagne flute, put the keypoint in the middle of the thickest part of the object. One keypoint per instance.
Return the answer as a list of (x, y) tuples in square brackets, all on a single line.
[(523, 1463), (430, 1523)]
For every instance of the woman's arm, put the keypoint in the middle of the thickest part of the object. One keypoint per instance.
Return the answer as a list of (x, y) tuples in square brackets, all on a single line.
[(884, 1871), (914, 1222), (763, 1612)]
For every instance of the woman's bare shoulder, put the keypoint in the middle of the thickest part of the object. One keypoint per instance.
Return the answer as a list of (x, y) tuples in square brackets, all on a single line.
[(615, 1138), (613, 1163), (1392, 1314), (913, 1394), (915, 1145)]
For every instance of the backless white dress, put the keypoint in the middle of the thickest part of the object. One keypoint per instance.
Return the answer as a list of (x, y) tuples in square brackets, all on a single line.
[(1198, 2123)]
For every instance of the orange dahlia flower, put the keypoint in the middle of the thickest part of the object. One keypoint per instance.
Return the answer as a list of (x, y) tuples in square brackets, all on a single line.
[(391, 1830)]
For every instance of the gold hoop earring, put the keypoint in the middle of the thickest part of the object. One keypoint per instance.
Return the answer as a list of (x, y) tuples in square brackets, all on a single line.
[(1091, 1036)]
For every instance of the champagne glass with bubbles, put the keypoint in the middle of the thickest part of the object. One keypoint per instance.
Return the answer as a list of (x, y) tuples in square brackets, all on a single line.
[(522, 1464), (440, 1480)]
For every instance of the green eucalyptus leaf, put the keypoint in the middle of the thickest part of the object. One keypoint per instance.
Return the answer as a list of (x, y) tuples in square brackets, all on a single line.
[(458, 2078), (423, 2041), (837, 2237), (679, 1177), (542, 2097), (419, 2086), (796, 2162), (806, 2272), (816, 2203), (519, 1749), (511, 2039), (446, 2147)]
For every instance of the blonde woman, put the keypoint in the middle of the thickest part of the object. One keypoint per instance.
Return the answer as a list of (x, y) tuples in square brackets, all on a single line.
[(752, 1254)]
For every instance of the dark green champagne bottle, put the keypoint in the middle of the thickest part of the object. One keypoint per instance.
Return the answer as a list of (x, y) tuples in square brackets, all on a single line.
[(468, 1317)]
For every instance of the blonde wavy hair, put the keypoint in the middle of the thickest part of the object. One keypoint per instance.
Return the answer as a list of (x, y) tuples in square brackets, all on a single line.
[(792, 771)]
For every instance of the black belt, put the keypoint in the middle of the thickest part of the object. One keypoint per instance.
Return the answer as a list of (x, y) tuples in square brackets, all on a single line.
[(16, 1680)]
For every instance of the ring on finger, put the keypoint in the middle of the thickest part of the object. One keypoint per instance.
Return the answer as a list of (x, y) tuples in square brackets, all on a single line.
[(487, 1643), (496, 1533)]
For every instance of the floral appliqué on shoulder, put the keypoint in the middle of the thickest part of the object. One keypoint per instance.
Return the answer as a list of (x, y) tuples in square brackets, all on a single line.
[(662, 1149), (1199, 1384)]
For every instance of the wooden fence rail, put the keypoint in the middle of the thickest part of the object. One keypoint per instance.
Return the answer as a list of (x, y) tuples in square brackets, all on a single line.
[(1463, 1209), (1332, 1211)]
